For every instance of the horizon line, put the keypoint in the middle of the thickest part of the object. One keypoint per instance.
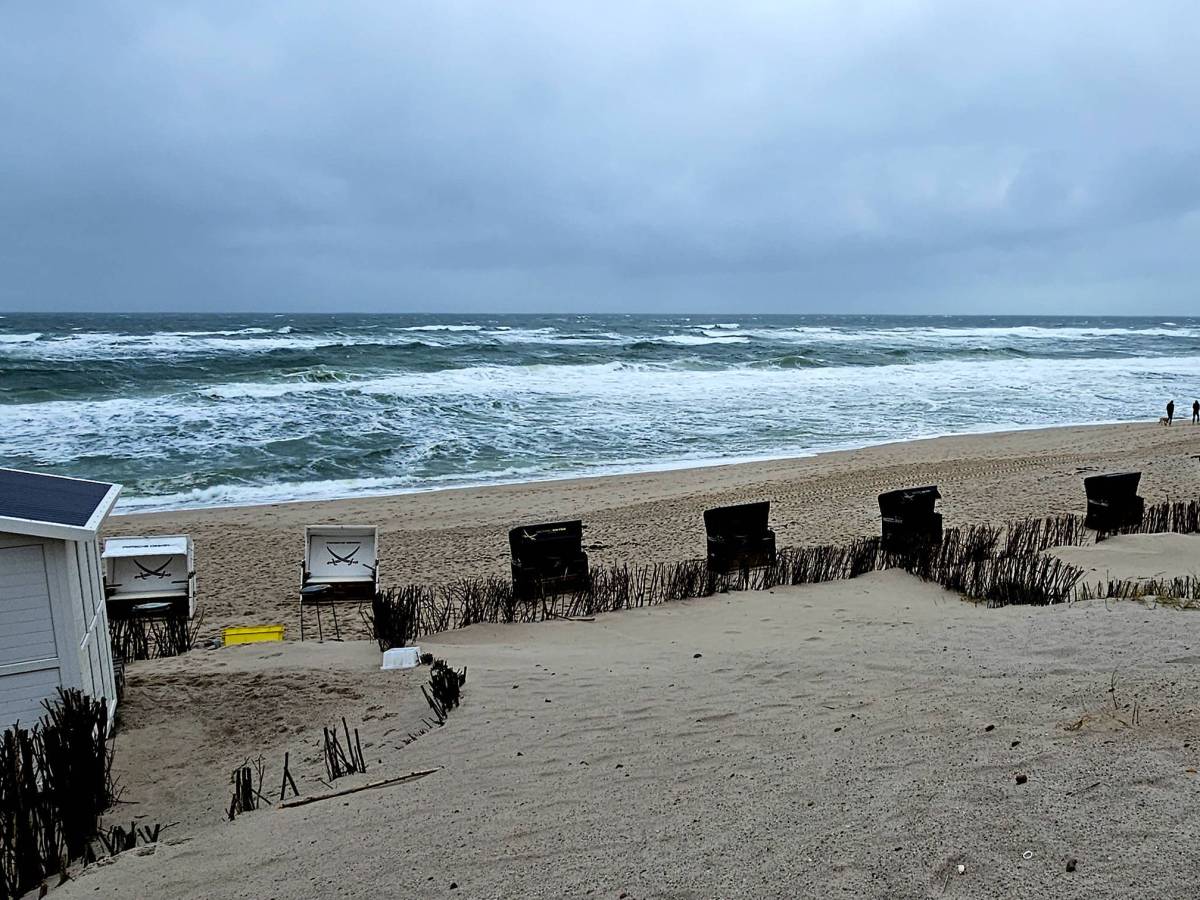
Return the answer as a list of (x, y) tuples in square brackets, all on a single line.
[(702, 313)]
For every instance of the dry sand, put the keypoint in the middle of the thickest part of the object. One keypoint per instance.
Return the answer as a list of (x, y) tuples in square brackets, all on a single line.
[(1135, 557), (248, 558), (828, 740)]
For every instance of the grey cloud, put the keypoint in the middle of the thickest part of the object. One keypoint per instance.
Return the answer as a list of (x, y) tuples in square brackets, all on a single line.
[(892, 156)]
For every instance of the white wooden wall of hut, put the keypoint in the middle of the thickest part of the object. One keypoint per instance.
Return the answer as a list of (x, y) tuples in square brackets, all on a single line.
[(53, 625)]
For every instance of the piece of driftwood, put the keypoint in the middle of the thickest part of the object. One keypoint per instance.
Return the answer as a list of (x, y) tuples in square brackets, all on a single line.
[(385, 782)]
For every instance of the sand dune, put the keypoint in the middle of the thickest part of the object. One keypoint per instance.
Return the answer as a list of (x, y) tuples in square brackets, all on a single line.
[(858, 739), (1136, 557)]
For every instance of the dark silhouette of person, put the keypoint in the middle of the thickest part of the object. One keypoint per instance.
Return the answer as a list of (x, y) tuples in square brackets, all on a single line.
[(1170, 411), (1196, 412)]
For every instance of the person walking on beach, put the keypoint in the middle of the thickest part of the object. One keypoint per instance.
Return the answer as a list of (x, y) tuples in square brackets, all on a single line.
[(1170, 411), (1196, 412)]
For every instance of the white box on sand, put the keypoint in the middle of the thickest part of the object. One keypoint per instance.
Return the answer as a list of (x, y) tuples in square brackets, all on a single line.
[(402, 658)]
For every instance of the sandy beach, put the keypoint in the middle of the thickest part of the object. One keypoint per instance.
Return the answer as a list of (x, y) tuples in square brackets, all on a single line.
[(248, 558), (876, 738), (860, 738)]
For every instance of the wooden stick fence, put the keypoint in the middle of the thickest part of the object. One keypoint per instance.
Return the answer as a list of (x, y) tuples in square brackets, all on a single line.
[(995, 565), (1026, 537), (443, 693), (55, 781), (1176, 517), (151, 638), (117, 840), (445, 687), (247, 780), (288, 780), (341, 760), (1184, 591), (395, 615)]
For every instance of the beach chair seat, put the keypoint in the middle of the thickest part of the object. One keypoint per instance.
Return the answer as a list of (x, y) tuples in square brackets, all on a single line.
[(340, 566), (739, 536), (1113, 501), (133, 597), (910, 519), (346, 579), (548, 559)]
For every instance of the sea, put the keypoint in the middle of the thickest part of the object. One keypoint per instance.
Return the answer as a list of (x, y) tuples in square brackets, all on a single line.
[(208, 410)]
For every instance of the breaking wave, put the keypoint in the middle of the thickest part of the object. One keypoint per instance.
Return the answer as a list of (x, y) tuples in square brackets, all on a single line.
[(203, 410)]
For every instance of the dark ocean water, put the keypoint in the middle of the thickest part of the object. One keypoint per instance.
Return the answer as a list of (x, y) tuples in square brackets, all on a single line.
[(215, 409)]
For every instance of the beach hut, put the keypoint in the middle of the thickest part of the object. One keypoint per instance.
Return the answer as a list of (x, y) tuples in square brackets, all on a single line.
[(341, 564), (53, 622), (150, 576)]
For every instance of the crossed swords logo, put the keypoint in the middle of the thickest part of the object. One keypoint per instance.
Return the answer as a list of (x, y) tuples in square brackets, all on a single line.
[(147, 572), (348, 559)]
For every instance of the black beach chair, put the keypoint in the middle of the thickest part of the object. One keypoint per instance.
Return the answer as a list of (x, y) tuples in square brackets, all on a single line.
[(739, 536), (1112, 500), (909, 518), (548, 559)]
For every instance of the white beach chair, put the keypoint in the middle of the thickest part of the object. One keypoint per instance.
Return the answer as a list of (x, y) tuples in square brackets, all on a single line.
[(340, 565), (149, 576)]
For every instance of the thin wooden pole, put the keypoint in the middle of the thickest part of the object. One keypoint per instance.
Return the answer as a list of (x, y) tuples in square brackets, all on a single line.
[(386, 782)]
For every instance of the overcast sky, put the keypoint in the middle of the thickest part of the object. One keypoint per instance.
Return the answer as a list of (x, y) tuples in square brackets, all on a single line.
[(565, 156)]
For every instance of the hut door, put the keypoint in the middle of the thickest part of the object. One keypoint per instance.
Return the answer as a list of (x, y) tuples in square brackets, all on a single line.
[(29, 668)]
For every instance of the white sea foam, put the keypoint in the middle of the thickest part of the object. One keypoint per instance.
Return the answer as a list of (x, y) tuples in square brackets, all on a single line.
[(693, 340), (442, 328), (225, 332), (1046, 384), (78, 345), (374, 423), (950, 336), (107, 345)]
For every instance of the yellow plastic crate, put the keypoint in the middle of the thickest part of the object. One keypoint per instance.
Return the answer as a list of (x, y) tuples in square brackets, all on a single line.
[(252, 634)]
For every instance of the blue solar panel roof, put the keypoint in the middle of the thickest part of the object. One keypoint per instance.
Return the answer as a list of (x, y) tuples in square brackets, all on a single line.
[(49, 498)]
